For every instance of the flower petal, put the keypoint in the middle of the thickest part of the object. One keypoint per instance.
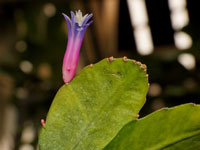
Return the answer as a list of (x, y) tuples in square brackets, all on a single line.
[(69, 22), (72, 17), (86, 19)]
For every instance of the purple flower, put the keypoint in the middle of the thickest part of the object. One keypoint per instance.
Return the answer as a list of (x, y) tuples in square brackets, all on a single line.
[(77, 26)]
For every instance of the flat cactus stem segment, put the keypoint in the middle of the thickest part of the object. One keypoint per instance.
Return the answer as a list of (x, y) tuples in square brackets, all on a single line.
[(176, 128), (88, 113)]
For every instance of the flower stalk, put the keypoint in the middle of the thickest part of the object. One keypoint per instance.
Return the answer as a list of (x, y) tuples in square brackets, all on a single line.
[(77, 26)]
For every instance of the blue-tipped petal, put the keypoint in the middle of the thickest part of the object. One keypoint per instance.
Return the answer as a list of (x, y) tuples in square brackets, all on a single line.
[(72, 17), (69, 22), (87, 18), (89, 23)]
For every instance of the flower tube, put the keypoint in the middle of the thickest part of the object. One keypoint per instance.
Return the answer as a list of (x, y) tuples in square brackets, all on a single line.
[(77, 26)]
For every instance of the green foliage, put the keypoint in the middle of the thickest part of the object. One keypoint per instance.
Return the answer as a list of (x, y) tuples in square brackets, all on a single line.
[(87, 113), (176, 128)]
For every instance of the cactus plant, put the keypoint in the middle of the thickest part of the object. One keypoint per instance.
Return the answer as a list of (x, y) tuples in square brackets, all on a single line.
[(98, 109), (88, 112)]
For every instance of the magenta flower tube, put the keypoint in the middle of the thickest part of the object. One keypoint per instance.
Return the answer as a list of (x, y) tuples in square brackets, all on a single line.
[(77, 26)]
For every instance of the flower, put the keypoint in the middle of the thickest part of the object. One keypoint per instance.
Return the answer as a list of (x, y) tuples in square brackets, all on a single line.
[(77, 26)]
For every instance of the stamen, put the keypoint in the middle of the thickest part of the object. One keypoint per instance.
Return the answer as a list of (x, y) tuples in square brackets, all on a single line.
[(79, 18)]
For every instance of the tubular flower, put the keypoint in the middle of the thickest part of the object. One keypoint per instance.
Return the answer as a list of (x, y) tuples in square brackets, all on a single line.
[(77, 26)]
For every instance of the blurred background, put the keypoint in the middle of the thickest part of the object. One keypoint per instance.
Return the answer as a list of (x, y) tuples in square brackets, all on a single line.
[(163, 34)]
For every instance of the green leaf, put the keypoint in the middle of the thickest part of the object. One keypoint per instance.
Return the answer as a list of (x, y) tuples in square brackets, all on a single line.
[(176, 128), (87, 113)]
